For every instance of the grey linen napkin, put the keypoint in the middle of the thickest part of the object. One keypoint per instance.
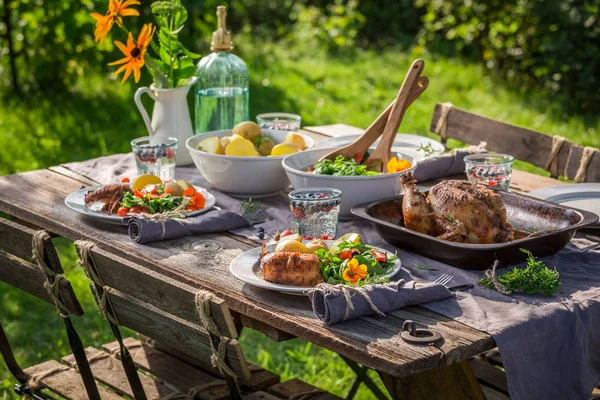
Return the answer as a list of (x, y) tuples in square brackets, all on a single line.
[(146, 230), (336, 303), (450, 163)]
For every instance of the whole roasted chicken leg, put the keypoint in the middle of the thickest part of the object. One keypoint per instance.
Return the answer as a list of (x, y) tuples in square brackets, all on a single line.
[(458, 211)]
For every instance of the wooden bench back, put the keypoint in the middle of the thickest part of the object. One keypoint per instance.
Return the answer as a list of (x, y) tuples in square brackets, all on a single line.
[(164, 309), (19, 269), (524, 144)]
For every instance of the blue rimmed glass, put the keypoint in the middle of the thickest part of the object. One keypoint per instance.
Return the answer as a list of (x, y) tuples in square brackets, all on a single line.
[(155, 156), (493, 170), (316, 212)]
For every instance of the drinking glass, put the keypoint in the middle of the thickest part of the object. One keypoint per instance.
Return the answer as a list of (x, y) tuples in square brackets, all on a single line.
[(493, 170), (279, 121), (155, 156), (316, 212)]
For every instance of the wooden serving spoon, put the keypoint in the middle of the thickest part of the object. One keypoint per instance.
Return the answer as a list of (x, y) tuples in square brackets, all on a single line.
[(370, 135), (381, 155)]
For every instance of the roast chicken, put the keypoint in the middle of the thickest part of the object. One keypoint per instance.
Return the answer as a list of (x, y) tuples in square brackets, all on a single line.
[(457, 211), (288, 268)]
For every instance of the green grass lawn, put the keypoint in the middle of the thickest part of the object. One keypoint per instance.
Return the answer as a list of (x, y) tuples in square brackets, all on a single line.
[(98, 117)]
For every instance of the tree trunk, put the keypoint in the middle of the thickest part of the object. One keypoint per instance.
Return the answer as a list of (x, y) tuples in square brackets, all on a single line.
[(11, 49)]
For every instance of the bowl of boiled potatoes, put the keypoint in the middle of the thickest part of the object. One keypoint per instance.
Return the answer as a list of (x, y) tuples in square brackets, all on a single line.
[(246, 161)]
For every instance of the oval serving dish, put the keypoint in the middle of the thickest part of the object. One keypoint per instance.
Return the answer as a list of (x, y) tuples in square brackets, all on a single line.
[(555, 223)]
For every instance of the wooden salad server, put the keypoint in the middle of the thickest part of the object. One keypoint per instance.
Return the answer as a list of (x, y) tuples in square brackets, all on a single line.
[(378, 160), (370, 135)]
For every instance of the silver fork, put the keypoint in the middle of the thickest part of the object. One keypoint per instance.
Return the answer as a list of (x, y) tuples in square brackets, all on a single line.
[(253, 212), (444, 279), (593, 246)]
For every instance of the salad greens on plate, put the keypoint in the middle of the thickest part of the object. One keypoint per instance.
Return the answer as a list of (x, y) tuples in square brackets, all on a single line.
[(355, 263)]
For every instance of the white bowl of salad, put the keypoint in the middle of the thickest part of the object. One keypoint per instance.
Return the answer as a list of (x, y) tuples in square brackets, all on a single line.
[(357, 183)]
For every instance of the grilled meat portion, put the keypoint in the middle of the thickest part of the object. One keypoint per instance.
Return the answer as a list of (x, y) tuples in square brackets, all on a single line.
[(106, 193), (115, 202), (458, 211), (293, 269)]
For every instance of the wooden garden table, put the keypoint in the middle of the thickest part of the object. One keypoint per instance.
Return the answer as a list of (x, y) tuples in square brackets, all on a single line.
[(408, 371)]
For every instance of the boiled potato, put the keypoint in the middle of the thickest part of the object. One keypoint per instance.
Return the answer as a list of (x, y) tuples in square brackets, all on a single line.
[(294, 236), (291, 246), (225, 140), (264, 145), (211, 145), (284, 148), (315, 245), (184, 184), (297, 139), (241, 147), (176, 189), (248, 130)]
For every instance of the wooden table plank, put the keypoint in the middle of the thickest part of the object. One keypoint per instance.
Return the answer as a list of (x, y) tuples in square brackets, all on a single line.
[(203, 262)]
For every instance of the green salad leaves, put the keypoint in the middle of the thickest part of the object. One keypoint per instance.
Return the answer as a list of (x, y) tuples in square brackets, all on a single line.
[(346, 264), (341, 167), (154, 205)]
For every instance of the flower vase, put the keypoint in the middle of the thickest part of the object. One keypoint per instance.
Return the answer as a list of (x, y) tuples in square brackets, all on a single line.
[(170, 116)]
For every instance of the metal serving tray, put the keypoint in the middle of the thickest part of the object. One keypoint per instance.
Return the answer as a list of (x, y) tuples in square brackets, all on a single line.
[(556, 225)]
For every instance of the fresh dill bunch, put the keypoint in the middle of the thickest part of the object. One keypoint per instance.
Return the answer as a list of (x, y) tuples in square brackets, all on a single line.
[(535, 278)]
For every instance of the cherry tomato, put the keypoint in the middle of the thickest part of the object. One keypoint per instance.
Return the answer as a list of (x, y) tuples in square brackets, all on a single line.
[(379, 256), (359, 157), (345, 254), (285, 233), (125, 180), (123, 211)]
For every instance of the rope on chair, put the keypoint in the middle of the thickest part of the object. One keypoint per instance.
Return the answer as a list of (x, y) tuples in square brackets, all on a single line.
[(588, 154), (442, 123), (53, 281), (552, 163), (101, 290), (202, 301), (35, 381)]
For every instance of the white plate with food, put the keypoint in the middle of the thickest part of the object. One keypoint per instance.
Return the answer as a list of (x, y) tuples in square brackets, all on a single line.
[(281, 267), (583, 196), (114, 202), (416, 146)]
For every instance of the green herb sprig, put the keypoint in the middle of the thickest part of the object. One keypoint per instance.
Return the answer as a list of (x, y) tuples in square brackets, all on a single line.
[(342, 167), (535, 278)]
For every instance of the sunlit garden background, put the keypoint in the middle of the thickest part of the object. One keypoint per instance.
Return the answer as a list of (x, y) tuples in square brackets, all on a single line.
[(533, 63)]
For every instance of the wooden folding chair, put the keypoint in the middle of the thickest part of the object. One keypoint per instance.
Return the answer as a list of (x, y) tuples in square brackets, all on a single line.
[(187, 326), (28, 261), (553, 153)]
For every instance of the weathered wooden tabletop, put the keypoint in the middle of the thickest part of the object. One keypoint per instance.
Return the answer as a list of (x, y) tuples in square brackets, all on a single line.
[(37, 197)]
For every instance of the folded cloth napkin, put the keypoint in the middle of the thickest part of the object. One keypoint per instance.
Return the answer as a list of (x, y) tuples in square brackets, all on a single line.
[(142, 230), (335, 303), (450, 163)]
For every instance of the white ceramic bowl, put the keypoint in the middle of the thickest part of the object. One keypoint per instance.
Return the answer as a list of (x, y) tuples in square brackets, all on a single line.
[(355, 189), (242, 176)]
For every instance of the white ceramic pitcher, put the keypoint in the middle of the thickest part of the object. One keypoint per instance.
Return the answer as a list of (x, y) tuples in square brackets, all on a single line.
[(170, 117)]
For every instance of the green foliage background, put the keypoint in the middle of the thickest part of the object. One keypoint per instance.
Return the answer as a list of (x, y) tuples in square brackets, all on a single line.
[(328, 60)]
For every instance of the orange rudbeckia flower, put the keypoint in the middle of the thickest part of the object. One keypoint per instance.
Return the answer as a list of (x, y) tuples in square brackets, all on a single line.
[(354, 272), (134, 53), (116, 10)]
